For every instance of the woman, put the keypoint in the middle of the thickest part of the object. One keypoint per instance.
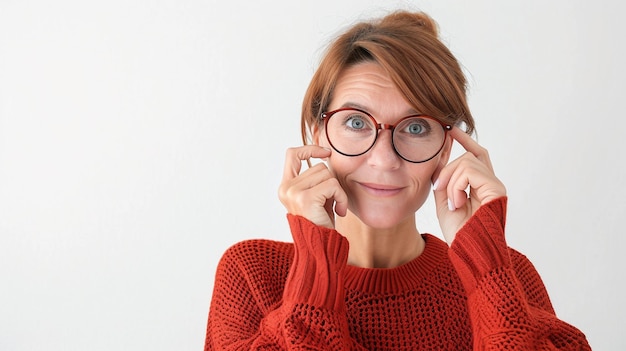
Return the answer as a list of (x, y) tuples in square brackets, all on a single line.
[(382, 111)]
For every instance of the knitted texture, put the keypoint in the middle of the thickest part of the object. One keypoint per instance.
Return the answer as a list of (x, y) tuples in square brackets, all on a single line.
[(476, 295)]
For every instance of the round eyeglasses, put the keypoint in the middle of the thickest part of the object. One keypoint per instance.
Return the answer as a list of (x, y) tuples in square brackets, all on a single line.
[(415, 138)]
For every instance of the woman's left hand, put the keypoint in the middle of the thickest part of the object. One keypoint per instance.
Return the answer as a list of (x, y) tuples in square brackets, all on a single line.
[(473, 169)]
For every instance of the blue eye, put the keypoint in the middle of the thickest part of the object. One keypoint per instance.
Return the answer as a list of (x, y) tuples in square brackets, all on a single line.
[(417, 127), (356, 122)]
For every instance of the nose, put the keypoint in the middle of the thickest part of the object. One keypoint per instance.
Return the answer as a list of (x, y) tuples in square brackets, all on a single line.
[(382, 155)]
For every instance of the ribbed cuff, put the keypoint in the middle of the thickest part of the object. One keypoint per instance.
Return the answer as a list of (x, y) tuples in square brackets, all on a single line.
[(316, 276), (480, 246)]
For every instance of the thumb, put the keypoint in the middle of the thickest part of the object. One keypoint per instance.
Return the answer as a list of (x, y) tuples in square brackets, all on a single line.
[(441, 198)]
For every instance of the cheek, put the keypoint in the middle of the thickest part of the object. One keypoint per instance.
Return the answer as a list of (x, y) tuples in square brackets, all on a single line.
[(323, 142), (422, 173), (342, 167), (336, 163), (422, 179)]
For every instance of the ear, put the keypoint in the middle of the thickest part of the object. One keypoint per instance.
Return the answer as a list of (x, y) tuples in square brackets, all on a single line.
[(444, 157)]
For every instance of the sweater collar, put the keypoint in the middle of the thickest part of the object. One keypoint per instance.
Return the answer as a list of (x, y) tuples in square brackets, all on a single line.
[(404, 277)]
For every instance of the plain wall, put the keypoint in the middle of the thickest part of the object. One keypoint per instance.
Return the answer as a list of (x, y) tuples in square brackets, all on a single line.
[(140, 139)]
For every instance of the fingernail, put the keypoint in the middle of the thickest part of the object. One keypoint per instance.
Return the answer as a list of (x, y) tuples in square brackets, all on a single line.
[(450, 205), (436, 184)]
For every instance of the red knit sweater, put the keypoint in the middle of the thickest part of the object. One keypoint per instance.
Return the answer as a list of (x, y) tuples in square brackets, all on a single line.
[(476, 295)]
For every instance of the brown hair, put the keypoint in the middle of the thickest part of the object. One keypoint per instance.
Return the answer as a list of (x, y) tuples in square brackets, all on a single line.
[(407, 46)]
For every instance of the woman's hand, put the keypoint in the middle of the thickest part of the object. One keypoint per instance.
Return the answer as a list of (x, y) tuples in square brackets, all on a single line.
[(473, 169), (313, 193)]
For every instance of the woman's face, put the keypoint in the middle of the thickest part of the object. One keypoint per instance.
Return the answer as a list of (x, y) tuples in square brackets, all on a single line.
[(383, 189)]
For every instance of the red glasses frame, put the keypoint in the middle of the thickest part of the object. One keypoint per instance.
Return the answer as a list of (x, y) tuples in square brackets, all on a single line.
[(382, 126)]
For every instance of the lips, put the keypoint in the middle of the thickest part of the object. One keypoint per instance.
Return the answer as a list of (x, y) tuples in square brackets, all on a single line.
[(382, 190)]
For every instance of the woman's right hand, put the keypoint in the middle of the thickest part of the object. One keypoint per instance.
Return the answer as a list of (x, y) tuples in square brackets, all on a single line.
[(314, 194)]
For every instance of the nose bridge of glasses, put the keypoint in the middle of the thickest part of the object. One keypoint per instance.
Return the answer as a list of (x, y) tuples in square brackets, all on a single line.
[(383, 126), (380, 128)]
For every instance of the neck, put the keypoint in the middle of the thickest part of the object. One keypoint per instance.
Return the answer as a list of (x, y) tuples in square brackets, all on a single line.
[(380, 247)]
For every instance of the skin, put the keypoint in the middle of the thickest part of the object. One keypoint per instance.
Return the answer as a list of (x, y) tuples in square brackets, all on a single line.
[(377, 194)]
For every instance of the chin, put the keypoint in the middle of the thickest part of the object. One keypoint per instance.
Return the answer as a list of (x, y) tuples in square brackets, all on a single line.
[(383, 218)]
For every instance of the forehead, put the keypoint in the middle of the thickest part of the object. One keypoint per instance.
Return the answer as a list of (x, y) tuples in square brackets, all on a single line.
[(368, 86), (364, 73)]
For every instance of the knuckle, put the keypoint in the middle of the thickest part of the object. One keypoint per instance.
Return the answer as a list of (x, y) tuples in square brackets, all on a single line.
[(333, 181), (282, 192), (292, 200), (286, 191), (290, 193), (291, 151), (484, 152)]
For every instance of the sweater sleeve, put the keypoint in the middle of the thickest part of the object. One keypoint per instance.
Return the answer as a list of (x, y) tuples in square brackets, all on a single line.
[(314, 301), (507, 301), (308, 312)]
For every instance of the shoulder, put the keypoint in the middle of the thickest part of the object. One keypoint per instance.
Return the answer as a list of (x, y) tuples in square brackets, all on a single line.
[(250, 280), (258, 250), (257, 257)]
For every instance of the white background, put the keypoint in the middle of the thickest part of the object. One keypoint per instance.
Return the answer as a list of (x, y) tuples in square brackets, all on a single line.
[(140, 139)]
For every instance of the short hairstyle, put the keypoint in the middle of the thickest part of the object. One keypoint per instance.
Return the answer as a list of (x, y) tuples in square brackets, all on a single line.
[(407, 46)]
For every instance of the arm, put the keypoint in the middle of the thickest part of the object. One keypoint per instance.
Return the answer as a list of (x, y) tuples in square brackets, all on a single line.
[(507, 301), (263, 301), (503, 312), (314, 291)]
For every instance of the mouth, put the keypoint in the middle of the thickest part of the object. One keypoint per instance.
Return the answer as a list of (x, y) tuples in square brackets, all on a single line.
[(381, 190)]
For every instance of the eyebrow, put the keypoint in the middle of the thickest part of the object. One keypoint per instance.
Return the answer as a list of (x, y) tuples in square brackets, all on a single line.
[(349, 104)]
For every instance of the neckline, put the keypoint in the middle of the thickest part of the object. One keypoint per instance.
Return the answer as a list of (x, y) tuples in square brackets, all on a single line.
[(403, 277)]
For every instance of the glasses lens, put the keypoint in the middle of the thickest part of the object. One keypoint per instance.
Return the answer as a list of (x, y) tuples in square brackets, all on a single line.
[(351, 132), (418, 139)]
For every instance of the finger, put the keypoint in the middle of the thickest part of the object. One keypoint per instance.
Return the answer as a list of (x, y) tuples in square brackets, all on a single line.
[(316, 204), (295, 156), (310, 177), (445, 173), (341, 200), (328, 188), (457, 188), (454, 180), (441, 198), (467, 173), (469, 144), (440, 186)]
